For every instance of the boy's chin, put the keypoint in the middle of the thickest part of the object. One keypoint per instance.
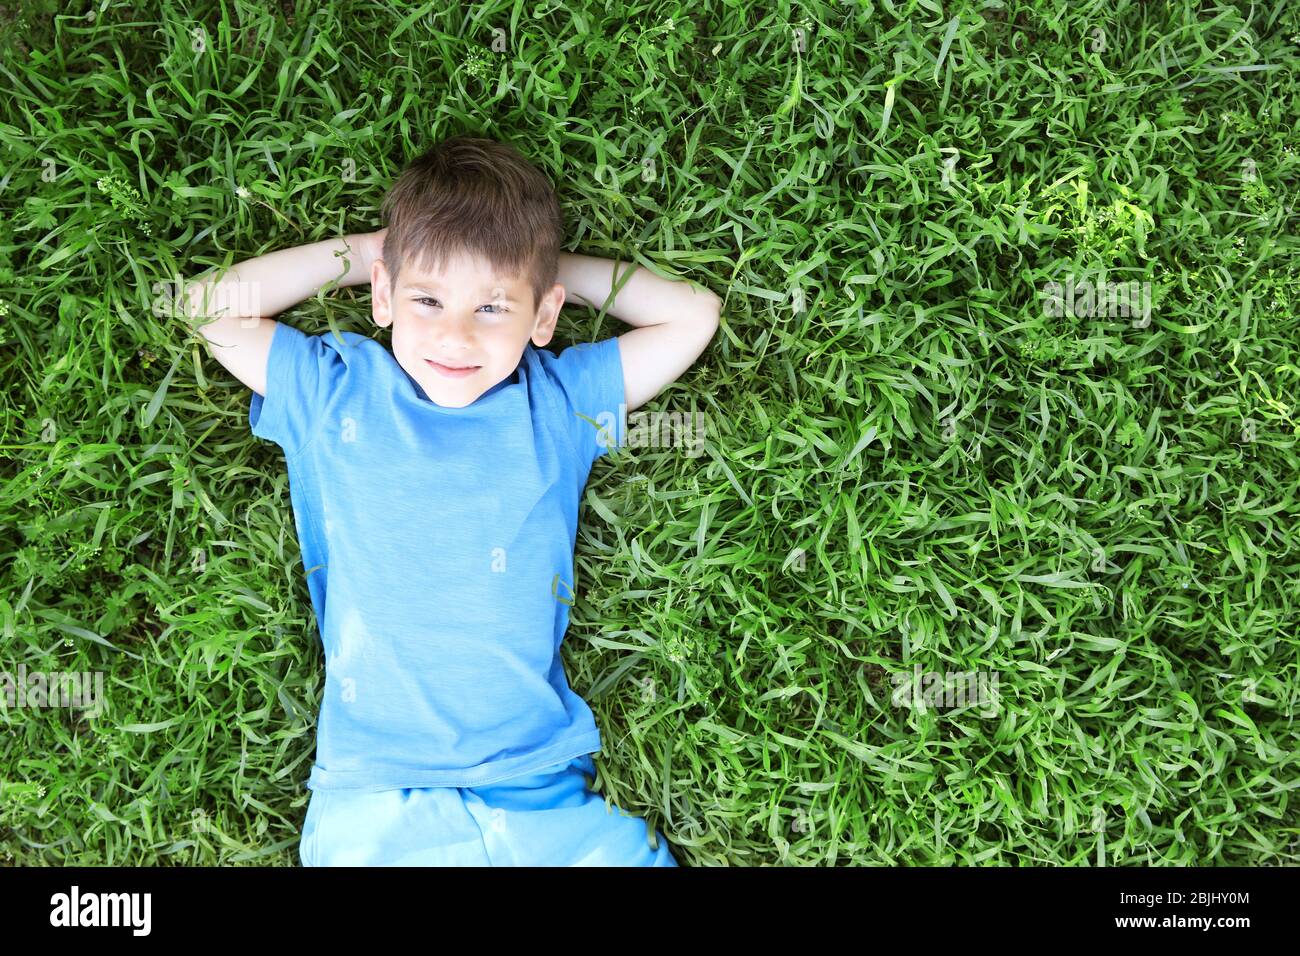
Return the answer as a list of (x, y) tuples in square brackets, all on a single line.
[(451, 397), (448, 392)]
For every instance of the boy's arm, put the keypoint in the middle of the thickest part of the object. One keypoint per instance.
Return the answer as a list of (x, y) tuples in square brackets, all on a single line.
[(239, 336), (674, 320)]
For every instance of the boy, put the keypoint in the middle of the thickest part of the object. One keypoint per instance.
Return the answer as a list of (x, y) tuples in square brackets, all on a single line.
[(435, 491)]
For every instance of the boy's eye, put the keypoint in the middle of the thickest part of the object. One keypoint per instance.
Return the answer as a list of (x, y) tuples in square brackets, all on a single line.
[(427, 302)]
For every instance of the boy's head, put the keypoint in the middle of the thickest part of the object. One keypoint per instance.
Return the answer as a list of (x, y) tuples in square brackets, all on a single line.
[(469, 265)]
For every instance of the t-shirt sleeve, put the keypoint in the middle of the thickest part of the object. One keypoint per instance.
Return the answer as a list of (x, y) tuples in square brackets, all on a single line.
[(302, 373), (590, 378)]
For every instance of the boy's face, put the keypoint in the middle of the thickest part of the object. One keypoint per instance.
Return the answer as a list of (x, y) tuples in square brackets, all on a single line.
[(460, 331)]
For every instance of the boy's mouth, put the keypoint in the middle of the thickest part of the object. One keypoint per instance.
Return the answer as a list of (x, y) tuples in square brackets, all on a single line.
[(452, 371)]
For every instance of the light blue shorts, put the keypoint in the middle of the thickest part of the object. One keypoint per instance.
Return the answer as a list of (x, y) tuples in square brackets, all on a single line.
[(547, 818)]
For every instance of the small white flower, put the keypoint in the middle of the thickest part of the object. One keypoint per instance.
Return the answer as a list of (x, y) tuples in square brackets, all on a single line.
[(242, 192)]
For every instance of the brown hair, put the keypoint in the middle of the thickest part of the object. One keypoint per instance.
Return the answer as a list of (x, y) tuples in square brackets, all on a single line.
[(478, 196)]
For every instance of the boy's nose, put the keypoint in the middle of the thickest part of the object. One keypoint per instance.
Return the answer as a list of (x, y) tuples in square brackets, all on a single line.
[(454, 335)]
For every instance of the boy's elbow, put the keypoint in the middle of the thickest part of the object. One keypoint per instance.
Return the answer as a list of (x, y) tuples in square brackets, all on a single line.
[(705, 326), (713, 311), (699, 304)]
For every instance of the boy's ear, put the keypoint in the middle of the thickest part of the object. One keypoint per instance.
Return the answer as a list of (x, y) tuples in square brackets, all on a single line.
[(548, 311), (381, 298)]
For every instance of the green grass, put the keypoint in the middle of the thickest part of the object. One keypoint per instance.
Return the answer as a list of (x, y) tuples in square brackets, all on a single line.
[(921, 467)]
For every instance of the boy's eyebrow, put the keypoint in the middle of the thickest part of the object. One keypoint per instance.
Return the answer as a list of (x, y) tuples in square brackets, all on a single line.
[(487, 290)]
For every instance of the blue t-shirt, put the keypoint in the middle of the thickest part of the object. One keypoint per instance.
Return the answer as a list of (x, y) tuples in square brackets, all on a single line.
[(438, 545)]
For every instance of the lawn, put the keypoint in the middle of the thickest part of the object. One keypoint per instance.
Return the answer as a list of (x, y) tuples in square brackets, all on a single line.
[(987, 550)]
